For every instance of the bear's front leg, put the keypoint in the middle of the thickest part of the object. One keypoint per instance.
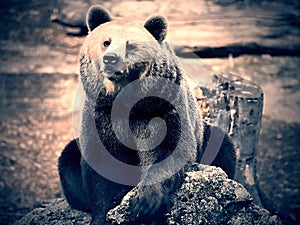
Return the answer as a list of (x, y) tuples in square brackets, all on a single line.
[(103, 194), (96, 189), (71, 178), (151, 201)]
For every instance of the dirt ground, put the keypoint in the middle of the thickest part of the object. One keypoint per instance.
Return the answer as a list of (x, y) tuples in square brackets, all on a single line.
[(39, 77)]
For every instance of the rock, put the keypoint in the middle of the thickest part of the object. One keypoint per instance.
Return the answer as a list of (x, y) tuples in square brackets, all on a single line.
[(54, 212), (122, 213), (207, 196)]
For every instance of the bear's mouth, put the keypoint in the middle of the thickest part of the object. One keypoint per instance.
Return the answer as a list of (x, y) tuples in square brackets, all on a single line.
[(128, 74), (115, 75)]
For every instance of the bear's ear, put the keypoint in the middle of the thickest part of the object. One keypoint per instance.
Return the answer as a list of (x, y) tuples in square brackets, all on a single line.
[(96, 16), (157, 26)]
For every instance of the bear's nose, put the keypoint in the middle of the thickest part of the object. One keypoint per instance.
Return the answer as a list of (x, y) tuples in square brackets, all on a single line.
[(111, 58)]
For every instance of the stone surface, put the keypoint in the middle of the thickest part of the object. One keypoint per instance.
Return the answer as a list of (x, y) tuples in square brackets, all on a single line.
[(55, 212), (207, 196)]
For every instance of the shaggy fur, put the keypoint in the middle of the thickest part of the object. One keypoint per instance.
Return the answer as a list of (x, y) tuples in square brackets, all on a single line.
[(114, 56)]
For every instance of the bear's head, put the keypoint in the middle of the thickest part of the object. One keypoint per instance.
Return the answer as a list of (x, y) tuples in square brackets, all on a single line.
[(117, 52)]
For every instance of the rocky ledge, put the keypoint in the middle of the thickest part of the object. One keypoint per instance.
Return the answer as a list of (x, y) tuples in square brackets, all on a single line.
[(206, 197)]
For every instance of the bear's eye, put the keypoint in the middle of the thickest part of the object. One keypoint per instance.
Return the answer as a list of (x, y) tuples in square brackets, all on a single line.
[(130, 47), (106, 43)]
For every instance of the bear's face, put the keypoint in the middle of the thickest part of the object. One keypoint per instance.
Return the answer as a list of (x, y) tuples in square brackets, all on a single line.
[(120, 51)]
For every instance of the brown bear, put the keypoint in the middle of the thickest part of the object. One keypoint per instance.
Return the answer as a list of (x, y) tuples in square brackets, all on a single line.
[(140, 126)]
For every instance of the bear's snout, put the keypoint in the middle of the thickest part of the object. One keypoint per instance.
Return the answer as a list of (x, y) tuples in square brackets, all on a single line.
[(111, 58), (111, 62), (113, 66)]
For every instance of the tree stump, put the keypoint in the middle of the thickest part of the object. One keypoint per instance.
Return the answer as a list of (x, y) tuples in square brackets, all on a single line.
[(235, 105)]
